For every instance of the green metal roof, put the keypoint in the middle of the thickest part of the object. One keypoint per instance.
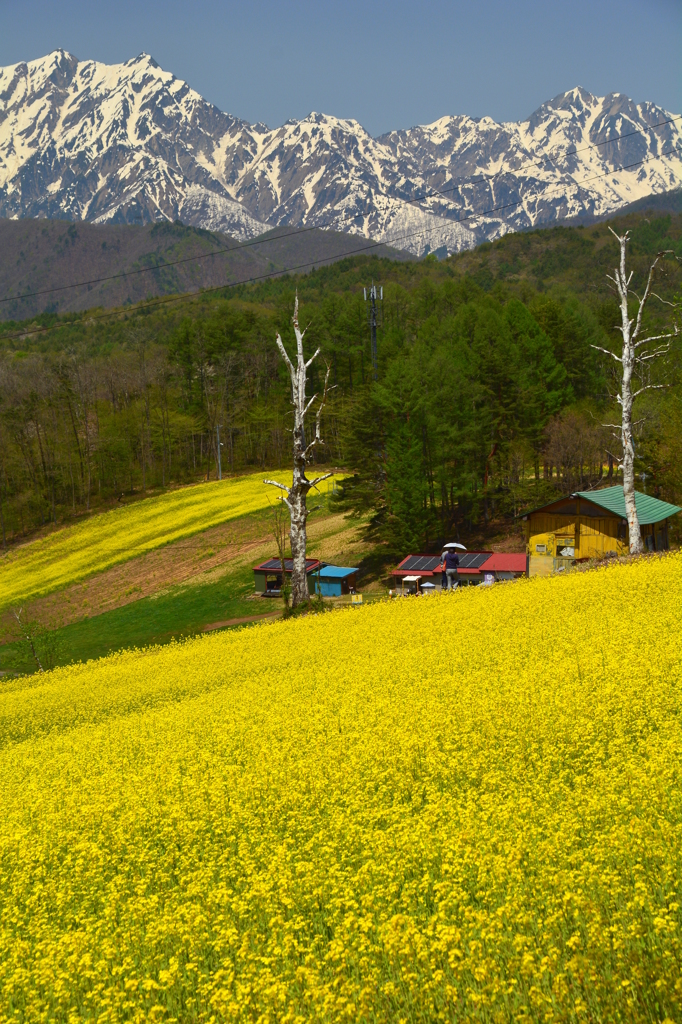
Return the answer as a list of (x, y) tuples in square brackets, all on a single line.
[(649, 510)]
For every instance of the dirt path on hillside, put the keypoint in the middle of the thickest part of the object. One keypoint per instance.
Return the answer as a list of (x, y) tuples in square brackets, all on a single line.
[(191, 560), (152, 572)]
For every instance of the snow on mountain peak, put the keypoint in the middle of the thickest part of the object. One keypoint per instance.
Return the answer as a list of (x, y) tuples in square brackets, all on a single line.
[(132, 143)]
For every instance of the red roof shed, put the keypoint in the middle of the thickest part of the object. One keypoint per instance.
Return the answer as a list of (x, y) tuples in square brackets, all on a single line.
[(506, 566)]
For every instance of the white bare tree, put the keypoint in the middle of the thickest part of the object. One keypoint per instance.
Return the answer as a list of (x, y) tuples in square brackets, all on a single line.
[(295, 497), (638, 353)]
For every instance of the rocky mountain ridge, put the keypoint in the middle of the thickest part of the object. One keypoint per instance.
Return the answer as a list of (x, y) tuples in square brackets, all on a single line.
[(131, 143)]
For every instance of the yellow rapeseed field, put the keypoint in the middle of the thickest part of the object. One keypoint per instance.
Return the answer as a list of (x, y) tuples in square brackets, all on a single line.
[(101, 541), (464, 807)]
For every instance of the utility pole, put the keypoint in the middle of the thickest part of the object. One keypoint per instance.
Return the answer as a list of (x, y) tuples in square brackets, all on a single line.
[(220, 469), (374, 318)]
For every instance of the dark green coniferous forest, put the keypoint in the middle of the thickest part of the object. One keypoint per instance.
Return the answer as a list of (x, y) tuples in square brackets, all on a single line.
[(489, 397)]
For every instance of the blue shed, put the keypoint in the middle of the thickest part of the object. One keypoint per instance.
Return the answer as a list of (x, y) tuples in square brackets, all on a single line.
[(335, 580)]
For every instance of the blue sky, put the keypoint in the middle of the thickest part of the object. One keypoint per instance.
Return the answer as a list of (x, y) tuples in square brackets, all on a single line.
[(389, 65)]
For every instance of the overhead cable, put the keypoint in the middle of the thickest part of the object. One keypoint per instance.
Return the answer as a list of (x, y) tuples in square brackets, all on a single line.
[(431, 194), (191, 296)]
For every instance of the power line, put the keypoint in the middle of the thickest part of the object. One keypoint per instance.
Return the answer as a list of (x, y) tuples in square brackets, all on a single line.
[(625, 135), (190, 296), (263, 241), (147, 270), (583, 149), (165, 300)]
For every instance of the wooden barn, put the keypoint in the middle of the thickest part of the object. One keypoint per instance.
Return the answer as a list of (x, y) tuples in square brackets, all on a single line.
[(589, 524)]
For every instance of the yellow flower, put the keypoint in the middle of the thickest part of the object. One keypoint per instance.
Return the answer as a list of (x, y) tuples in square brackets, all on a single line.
[(74, 552), (416, 810)]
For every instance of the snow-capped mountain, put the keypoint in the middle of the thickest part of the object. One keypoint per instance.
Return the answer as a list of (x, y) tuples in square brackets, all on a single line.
[(132, 143)]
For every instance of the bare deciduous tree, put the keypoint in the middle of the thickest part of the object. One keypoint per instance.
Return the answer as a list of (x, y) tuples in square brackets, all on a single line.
[(576, 447), (638, 353), (295, 497)]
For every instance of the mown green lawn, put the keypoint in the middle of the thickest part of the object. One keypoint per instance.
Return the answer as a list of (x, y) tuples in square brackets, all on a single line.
[(177, 612)]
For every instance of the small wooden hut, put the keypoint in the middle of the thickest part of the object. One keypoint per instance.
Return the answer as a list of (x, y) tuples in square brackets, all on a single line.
[(268, 575), (589, 524), (335, 580)]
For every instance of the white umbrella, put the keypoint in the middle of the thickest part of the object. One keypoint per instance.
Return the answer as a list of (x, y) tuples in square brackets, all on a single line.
[(453, 544)]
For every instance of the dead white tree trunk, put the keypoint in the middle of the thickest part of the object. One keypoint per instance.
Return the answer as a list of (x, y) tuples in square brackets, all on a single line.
[(296, 496), (635, 361)]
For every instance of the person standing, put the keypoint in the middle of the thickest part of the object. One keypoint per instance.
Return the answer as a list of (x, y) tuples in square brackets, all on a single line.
[(452, 568)]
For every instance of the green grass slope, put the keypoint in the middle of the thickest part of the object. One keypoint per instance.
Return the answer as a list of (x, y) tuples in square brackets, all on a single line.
[(214, 591)]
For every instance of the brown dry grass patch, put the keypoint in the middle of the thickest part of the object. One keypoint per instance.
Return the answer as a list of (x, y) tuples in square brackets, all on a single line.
[(195, 559), (149, 574)]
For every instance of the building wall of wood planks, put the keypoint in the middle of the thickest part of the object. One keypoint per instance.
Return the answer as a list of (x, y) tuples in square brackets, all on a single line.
[(548, 534)]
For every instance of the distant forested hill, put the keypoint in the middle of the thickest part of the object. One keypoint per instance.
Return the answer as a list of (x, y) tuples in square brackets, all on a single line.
[(489, 394), (128, 263)]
